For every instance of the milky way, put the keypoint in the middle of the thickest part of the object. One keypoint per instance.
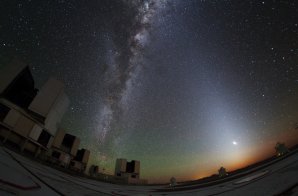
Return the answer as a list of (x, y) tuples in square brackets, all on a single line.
[(124, 66)]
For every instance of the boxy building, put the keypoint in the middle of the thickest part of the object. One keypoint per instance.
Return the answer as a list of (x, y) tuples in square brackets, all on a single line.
[(64, 148), (129, 172), (80, 161), (28, 117)]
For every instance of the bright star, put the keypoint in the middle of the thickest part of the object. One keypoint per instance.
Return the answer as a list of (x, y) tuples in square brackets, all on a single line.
[(234, 143)]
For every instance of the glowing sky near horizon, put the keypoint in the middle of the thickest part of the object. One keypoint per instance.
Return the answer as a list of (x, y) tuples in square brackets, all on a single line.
[(183, 86)]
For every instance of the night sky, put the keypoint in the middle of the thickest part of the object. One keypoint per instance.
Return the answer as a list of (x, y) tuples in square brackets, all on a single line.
[(183, 86)]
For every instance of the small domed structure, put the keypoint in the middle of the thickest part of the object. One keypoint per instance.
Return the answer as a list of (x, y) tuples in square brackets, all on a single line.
[(173, 182), (222, 172), (281, 149)]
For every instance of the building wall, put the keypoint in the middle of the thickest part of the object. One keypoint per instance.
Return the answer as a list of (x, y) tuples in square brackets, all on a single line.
[(137, 167), (56, 113), (35, 132), (120, 166), (58, 138), (51, 102), (86, 157), (24, 126), (46, 97), (75, 147), (12, 118)]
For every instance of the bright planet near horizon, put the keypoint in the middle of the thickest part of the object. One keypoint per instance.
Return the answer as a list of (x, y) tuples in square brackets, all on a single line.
[(185, 87)]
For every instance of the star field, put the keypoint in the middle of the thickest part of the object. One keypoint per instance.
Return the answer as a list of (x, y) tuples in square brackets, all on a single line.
[(183, 86)]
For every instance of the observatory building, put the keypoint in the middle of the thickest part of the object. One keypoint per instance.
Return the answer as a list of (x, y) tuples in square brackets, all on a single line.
[(64, 148), (281, 149), (29, 117), (79, 163), (129, 171)]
